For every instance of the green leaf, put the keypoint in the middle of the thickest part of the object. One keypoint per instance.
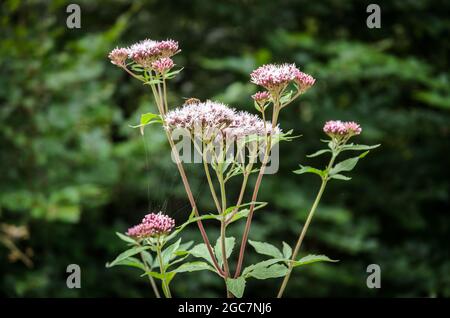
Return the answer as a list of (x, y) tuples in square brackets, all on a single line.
[(287, 250), (153, 82), (274, 271), (183, 249), (236, 286), (243, 213), (148, 119), (130, 252), (168, 253), (154, 274), (192, 219), (347, 165), (130, 261), (340, 177), (265, 263), (307, 169), (266, 249), (126, 238), (193, 267), (313, 259), (359, 147), (318, 153), (258, 205), (229, 245), (200, 250)]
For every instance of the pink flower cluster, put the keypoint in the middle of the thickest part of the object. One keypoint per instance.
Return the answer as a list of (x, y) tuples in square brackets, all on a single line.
[(118, 56), (148, 51), (341, 128), (278, 76), (152, 225), (261, 97), (163, 65), (145, 53), (217, 119), (304, 81)]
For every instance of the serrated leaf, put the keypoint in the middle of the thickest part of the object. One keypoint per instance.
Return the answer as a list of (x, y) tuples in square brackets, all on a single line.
[(236, 286), (266, 249), (274, 271), (347, 165), (307, 169), (126, 238), (130, 252), (229, 245), (318, 153), (193, 267), (287, 250), (313, 259), (340, 177), (265, 263), (200, 250)]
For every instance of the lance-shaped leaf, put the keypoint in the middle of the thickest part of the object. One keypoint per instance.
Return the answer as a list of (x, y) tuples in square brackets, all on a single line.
[(126, 238), (313, 259), (358, 147), (266, 249), (246, 272), (340, 177), (200, 250), (347, 165), (169, 252), (273, 271), (131, 262), (318, 153), (287, 250), (308, 169), (130, 252), (193, 267)]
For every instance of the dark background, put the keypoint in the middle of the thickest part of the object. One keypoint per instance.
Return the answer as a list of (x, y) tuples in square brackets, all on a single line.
[(72, 171)]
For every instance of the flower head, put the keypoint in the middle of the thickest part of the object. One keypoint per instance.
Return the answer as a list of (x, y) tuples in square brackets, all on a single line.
[(163, 65), (118, 56), (148, 51), (335, 128), (261, 97), (353, 128), (217, 119), (274, 76), (304, 81), (152, 225)]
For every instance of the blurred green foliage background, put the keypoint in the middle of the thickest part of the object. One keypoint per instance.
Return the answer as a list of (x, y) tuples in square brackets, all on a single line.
[(73, 172)]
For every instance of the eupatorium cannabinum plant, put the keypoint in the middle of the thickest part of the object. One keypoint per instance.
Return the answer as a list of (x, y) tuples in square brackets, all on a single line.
[(231, 144)]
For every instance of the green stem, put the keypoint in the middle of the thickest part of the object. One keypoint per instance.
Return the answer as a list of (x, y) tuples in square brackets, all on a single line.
[(210, 183), (150, 278), (305, 227), (165, 286), (226, 269)]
